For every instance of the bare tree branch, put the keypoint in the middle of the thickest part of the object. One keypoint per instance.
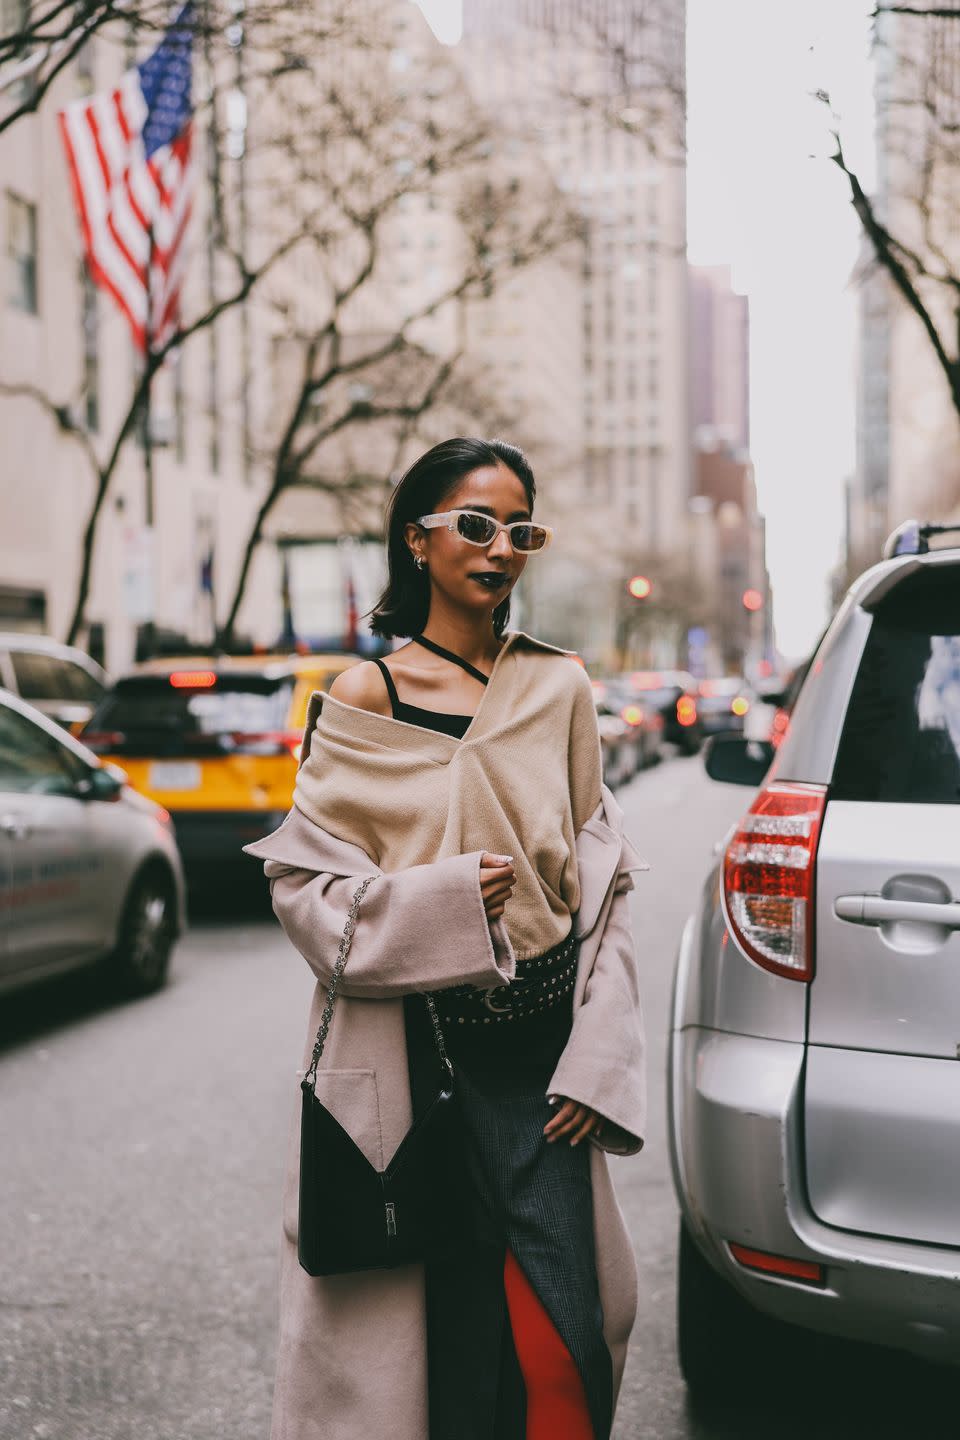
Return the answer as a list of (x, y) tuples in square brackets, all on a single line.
[(935, 12), (886, 249)]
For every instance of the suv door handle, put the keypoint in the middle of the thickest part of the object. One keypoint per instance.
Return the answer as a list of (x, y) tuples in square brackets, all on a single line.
[(876, 910)]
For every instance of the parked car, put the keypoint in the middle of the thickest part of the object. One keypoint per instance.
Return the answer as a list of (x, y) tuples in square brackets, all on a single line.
[(646, 721), (618, 740), (723, 703), (770, 716), (89, 870), (215, 740), (673, 693), (61, 681), (814, 1089)]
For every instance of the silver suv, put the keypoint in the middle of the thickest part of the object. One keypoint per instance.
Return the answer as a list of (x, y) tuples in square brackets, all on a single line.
[(814, 1083)]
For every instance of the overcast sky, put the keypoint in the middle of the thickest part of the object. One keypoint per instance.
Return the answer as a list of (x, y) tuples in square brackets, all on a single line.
[(764, 198), (763, 195)]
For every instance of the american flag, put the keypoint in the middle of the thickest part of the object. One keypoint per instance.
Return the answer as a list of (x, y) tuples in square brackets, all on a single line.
[(129, 156)]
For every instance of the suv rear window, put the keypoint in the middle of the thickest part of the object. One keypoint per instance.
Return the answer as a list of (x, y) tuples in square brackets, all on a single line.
[(901, 735), (147, 715)]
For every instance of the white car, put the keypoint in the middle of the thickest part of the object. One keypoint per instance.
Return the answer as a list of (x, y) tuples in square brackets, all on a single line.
[(89, 869), (60, 680)]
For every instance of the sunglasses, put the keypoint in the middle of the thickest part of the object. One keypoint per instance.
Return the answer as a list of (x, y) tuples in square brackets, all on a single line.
[(479, 529)]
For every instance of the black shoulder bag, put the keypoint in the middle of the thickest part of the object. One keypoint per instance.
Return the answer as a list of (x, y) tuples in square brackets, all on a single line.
[(353, 1216)]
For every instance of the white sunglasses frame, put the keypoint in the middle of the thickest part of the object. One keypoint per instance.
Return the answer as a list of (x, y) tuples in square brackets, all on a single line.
[(444, 518)]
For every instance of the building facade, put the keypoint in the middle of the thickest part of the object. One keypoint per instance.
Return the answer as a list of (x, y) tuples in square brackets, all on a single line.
[(184, 492), (179, 510), (619, 163), (727, 530)]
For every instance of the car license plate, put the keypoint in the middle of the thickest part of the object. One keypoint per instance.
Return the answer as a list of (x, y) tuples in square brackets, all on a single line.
[(174, 776)]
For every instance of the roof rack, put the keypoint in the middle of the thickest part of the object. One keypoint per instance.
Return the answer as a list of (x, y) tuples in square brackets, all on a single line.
[(912, 538)]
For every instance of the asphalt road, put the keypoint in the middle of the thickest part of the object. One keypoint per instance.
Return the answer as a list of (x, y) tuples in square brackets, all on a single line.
[(140, 1179)]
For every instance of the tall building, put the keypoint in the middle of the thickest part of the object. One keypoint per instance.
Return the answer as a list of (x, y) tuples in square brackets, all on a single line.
[(719, 355), (727, 530), (730, 554), (601, 97)]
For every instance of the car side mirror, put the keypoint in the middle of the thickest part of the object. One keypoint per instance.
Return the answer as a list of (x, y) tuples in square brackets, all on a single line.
[(101, 784), (737, 761)]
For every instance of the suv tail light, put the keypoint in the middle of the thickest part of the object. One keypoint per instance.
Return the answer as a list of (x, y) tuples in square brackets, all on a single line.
[(769, 875)]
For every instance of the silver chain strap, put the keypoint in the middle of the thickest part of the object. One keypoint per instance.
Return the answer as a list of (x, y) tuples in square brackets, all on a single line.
[(338, 969), (437, 1032), (310, 1078)]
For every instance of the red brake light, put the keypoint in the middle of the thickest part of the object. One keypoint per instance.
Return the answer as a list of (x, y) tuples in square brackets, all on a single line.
[(781, 723), (777, 1264), (687, 710), (193, 679), (769, 875)]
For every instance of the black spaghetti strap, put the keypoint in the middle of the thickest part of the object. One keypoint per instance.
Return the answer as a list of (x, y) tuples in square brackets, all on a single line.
[(391, 688), (449, 655)]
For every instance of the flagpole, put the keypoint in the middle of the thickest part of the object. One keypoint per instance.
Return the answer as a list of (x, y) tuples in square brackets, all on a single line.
[(149, 626)]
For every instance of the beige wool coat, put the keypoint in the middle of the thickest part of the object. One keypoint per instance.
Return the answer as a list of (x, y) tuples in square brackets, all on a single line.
[(351, 1362)]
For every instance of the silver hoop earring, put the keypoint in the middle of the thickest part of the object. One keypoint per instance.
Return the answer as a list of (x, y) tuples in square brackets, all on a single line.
[(419, 561)]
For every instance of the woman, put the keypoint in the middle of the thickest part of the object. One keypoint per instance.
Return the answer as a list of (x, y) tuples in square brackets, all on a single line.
[(464, 772)]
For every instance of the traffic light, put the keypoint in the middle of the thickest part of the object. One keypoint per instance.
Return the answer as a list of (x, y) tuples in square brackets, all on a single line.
[(752, 600), (640, 587)]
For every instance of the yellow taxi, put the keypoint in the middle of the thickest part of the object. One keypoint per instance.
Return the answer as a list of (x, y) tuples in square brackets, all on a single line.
[(215, 740)]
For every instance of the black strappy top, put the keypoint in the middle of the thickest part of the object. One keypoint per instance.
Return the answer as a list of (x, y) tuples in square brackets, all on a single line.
[(455, 725)]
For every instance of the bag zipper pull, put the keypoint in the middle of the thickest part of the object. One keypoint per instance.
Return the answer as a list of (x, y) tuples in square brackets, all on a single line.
[(391, 1218)]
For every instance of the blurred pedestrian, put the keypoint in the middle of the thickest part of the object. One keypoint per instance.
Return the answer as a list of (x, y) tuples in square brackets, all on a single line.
[(464, 773)]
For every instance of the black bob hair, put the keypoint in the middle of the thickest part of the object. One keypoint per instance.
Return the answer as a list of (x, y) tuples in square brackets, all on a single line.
[(403, 607)]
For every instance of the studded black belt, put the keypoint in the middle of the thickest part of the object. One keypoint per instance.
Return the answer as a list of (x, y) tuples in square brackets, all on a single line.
[(540, 983)]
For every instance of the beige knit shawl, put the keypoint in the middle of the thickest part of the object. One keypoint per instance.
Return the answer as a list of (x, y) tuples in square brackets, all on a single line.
[(521, 782)]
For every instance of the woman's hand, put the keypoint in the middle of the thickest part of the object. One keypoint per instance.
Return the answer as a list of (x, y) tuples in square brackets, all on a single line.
[(573, 1120), (497, 879)]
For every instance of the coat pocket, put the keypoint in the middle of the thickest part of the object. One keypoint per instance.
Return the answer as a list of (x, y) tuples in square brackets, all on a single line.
[(353, 1099)]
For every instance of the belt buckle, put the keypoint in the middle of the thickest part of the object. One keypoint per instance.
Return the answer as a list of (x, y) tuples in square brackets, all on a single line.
[(487, 999)]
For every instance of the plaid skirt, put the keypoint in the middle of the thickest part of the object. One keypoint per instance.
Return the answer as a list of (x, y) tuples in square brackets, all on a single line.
[(521, 1193)]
